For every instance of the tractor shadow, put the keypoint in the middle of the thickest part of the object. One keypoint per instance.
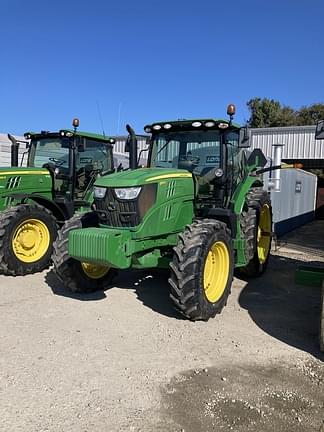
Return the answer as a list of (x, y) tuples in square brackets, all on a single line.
[(283, 309), (58, 288), (151, 288)]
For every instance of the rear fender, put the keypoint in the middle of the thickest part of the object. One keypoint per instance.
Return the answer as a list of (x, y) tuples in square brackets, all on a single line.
[(61, 213)]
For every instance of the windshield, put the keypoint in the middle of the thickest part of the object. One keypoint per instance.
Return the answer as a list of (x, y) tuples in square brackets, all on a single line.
[(176, 149), (49, 150), (96, 156)]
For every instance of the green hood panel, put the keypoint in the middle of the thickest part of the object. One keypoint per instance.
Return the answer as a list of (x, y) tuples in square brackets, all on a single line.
[(27, 181), (140, 177)]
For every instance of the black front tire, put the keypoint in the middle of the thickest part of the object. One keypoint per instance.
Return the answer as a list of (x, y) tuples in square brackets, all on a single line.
[(187, 280), (69, 270), (10, 220)]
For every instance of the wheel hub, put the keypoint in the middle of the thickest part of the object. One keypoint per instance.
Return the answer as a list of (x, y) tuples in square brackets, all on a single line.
[(31, 240), (264, 234), (216, 271), (27, 239), (94, 271)]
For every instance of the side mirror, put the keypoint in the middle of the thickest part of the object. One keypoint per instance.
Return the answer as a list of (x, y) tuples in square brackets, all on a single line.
[(244, 137), (257, 159), (319, 133), (79, 143)]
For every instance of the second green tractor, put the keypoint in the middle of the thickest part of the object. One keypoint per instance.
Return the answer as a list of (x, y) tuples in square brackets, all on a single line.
[(37, 199), (199, 209)]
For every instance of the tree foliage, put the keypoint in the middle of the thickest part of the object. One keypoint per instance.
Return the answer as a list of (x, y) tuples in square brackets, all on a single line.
[(270, 113), (310, 115)]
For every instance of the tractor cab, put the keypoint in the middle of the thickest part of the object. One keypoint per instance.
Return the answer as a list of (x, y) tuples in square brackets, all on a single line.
[(195, 145), (73, 158), (202, 147)]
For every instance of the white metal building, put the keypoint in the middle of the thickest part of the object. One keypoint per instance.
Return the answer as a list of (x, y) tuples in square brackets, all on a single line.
[(299, 144), (5, 150), (294, 204), (119, 146)]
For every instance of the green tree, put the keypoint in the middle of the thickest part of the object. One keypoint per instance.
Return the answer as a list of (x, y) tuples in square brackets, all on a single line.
[(310, 115), (270, 113)]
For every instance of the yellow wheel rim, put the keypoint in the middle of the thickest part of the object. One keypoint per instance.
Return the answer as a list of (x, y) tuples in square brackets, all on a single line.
[(94, 271), (216, 271), (264, 234), (31, 240)]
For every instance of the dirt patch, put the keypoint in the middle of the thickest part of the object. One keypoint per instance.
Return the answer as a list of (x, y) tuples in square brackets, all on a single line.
[(94, 363), (248, 398)]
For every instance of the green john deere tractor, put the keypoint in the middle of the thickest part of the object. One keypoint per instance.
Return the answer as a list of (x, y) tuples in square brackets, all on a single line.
[(198, 208), (34, 201)]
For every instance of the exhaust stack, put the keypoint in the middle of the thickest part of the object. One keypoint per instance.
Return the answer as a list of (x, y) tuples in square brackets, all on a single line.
[(275, 178), (14, 150), (132, 142)]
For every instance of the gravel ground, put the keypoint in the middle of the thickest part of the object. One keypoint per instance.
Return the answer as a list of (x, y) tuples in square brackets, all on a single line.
[(123, 360)]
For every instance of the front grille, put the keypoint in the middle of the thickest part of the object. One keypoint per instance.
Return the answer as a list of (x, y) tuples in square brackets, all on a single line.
[(125, 213)]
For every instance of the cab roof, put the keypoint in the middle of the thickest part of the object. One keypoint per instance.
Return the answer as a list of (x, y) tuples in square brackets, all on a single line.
[(191, 124), (94, 136)]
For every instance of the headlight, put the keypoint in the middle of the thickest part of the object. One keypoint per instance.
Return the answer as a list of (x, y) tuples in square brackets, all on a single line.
[(196, 124), (209, 124), (99, 192), (218, 172), (128, 193)]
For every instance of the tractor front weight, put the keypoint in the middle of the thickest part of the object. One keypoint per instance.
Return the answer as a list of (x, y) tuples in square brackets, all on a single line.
[(117, 248)]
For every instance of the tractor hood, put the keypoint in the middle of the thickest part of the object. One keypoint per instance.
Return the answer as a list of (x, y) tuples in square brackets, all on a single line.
[(18, 181), (140, 177), (30, 178)]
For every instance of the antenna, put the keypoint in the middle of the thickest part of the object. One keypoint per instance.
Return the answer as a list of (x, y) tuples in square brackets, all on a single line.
[(119, 112), (101, 119)]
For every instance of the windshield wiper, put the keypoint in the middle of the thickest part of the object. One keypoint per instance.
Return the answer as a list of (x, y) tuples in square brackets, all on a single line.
[(163, 147)]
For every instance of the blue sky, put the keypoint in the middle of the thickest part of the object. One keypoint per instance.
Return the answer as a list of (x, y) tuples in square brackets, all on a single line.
[(143, 61)]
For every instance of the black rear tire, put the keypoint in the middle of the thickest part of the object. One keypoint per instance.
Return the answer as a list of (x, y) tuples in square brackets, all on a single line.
[(321, 332), (15, 222), (189, 290), (69, 270), (257, 200)]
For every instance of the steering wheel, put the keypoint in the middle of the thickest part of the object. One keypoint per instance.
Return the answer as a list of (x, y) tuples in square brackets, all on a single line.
[(57, 162), (52, 167), (194, 159), (188, 162)]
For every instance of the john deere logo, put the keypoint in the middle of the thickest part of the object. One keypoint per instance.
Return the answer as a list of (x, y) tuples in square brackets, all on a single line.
[(111, 206)]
